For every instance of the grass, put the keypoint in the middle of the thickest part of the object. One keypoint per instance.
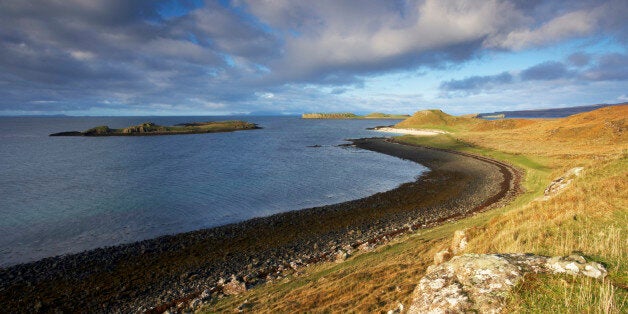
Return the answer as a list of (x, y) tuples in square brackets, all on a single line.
[(566, 294), (590, 217)]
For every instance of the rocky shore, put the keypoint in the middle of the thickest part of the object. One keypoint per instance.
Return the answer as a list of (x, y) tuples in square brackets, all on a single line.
[(155, 274)]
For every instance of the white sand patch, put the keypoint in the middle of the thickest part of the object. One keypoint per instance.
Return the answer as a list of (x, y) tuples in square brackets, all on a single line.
[(422, 132)]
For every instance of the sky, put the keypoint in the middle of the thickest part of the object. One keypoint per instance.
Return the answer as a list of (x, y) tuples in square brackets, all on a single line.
[(239, 57)]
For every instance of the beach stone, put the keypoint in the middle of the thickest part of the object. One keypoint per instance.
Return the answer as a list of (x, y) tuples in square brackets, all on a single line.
[(340, 256), (366, 247), (482, 282), (234, 287)]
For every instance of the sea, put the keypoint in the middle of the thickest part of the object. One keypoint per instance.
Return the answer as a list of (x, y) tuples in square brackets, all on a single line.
[(62, 195)]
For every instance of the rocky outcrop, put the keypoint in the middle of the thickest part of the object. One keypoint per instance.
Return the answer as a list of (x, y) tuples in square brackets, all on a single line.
[(481, 282), (559, 184)]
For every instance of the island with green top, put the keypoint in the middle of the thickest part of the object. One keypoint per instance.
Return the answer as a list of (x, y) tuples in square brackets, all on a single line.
[(349, 115), (149, 128)]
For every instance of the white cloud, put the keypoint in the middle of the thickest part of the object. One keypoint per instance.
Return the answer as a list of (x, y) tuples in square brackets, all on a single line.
[(569, 25)]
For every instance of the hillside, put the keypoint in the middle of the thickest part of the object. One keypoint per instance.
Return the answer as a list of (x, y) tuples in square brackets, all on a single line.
[(592, 129), (546, 113), (590, 217)]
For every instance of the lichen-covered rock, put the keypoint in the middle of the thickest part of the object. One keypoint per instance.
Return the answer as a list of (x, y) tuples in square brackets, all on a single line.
[(481, 282), (575, 265)]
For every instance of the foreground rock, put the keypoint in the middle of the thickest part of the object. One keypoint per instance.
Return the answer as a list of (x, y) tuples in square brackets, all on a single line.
[(481, 282)]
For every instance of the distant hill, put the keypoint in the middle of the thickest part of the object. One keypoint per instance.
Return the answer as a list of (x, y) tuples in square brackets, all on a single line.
[(436, 119), (607, 124), (545, 113)]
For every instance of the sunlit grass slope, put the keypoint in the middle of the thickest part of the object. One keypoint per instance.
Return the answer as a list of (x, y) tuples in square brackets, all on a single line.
[(589, 217)]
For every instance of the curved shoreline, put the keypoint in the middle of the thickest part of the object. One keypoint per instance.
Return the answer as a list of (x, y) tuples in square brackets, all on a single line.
[(159, 272)]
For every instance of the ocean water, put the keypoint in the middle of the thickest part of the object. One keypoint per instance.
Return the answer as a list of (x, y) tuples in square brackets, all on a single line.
[(62, 195)]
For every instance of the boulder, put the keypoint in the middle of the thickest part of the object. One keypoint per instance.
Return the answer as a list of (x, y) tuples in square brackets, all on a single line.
[(481, 282)]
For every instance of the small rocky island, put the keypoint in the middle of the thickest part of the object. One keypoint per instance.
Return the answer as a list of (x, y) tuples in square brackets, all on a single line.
[(149, 128), (349, 115)]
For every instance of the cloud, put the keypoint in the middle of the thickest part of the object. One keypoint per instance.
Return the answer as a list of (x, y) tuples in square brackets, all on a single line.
[(608, 67), (579, 59), (549, 70), (571, 24), (326, 41), (477, 82), (95, 55)]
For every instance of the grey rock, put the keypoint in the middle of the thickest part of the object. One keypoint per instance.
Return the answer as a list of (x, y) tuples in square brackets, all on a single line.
[(481, 282)]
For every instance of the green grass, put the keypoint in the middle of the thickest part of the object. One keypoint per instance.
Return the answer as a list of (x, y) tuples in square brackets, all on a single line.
[(567, 294)]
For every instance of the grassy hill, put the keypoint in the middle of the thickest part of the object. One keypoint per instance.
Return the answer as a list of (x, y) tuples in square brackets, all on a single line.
[(437, 119), (589, 217)]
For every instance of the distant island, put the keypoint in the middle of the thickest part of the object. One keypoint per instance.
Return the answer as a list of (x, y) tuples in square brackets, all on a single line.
[(149, 128), (349, 115)]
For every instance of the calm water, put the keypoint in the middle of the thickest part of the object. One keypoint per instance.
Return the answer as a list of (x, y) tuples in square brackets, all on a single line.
[(61, 195)]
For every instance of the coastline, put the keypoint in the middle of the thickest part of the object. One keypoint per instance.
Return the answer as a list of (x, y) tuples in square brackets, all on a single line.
[(420, 132), (156, 272)]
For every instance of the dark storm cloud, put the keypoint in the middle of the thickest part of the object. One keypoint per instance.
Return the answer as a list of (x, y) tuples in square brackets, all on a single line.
[(477, 82)]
